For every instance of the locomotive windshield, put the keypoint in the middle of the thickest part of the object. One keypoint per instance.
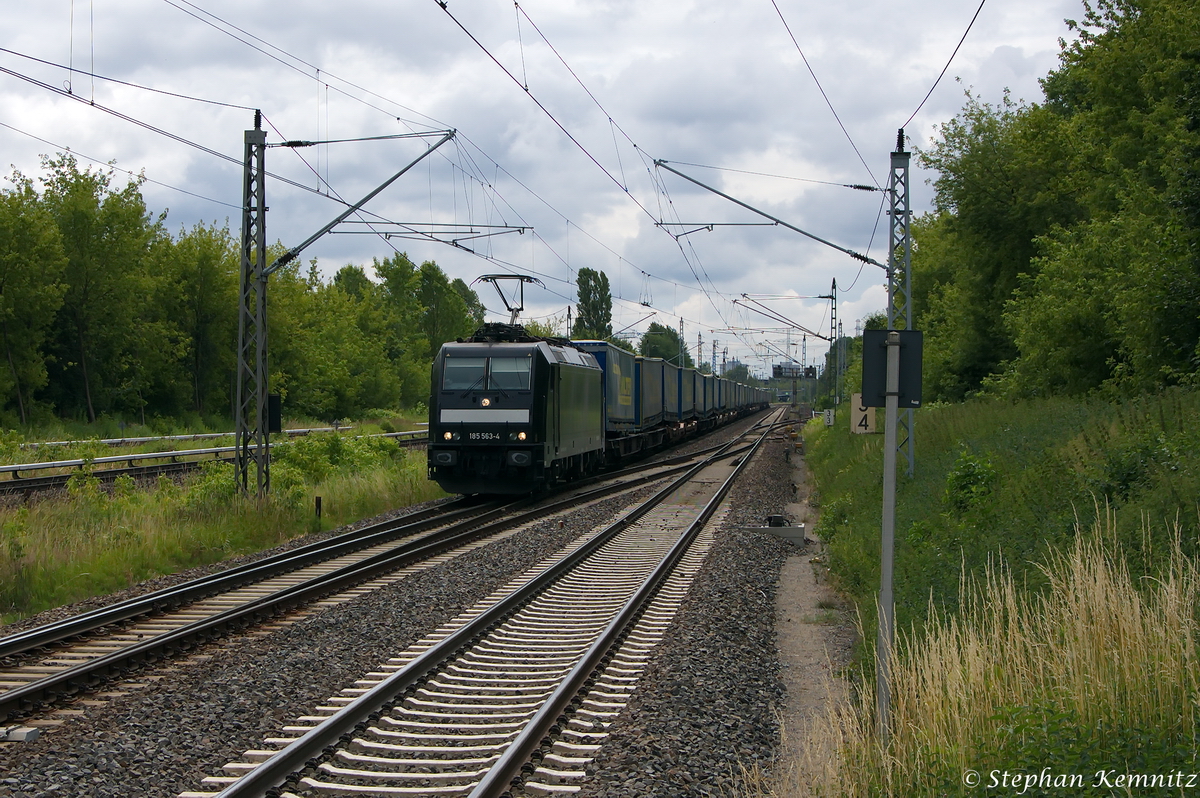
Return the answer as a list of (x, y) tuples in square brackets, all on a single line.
[(464, 373), (509, 373), (484, 373)]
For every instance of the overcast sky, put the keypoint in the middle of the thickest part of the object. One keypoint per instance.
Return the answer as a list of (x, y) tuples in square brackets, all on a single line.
[(716, 84)]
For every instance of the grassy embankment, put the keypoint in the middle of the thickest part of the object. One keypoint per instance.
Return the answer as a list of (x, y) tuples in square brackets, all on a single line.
[(1047, 596), (94, 542)]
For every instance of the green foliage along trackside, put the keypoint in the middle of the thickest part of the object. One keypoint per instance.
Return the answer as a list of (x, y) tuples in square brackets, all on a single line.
[(97, 541), (1047, 590), (1005, 479), (1076, 687), (108, 316), (1062, 252)]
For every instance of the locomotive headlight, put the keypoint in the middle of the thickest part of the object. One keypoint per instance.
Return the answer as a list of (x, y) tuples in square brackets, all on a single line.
[(520, 436), (485, 402), (447, 435)]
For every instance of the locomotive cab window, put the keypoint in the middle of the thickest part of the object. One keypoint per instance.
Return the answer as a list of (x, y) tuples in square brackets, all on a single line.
[(486, 374), (509, 373), (464, 373)]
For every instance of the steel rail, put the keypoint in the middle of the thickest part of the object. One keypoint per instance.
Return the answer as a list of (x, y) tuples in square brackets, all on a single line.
[(133, 457), (27, 486), (205, 586), (71, 680), (212, 584), (31, 485), (195, 436), (503, 773), (282, 767)]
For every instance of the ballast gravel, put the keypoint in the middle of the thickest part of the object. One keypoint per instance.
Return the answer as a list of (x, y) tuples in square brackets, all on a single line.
[(704, 708), (707, 705), (164, 738)]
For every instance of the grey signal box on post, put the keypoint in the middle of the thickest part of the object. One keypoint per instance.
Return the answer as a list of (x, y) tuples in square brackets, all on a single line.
[(874, 375)]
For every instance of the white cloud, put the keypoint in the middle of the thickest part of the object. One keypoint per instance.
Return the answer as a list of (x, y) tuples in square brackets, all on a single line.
[(701, 81)]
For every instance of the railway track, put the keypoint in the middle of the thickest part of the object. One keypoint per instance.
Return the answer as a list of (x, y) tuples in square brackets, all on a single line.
[(55, 475), (56, 662), (515, 695)]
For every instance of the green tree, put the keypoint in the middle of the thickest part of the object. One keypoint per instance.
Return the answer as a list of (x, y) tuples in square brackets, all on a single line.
[(403, 338), (323, 361), (475, 309), (594, 320), (149, 371), (203, 271), (444, 315), (999, 187), (31, 291), (662, 341), (107, 237), (1062, 256), (1112, 302), (354, 281)]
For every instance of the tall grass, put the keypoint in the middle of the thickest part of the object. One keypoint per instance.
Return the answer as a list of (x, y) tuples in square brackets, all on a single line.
[(1078, 654), (1098, 672), (999, 478), (94, 542)]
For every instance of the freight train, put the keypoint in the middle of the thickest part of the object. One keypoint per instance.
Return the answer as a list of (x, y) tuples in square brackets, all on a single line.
[(512, 413)]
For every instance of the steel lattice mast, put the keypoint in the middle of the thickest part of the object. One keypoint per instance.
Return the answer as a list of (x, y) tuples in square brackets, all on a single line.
[(251, 423), (899, 312), (251, 408)]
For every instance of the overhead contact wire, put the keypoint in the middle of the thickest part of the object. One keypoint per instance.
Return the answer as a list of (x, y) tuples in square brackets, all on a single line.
[(544, 109), (623, 184), (61, 148), (948, 61), (821, 88), (127, 83), (147, 126), (477, 173)]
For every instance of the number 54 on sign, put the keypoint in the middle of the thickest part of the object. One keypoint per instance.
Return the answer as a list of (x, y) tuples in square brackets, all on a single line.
[(862, 419)]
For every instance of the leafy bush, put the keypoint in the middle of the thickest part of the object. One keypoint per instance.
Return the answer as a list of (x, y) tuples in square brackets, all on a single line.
[(124, 486), (969, 482), (835, 516), (214, 490), (289, 488), (10, 445), (82, 485), (318, 455)]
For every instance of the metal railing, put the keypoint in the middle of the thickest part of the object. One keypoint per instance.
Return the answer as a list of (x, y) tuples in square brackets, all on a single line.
[(133, 459)]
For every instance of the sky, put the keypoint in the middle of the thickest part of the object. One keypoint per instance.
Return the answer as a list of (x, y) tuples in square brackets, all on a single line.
[(560, 110)]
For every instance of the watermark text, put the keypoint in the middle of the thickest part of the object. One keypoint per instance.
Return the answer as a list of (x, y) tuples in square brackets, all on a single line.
[(1021, 782)]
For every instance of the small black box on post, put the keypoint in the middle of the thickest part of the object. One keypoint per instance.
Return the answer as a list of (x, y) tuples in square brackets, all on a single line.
[(274, 413), (874, 375)]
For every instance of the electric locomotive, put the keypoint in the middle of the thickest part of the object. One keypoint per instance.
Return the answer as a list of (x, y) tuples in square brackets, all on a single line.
[(510, 413)]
